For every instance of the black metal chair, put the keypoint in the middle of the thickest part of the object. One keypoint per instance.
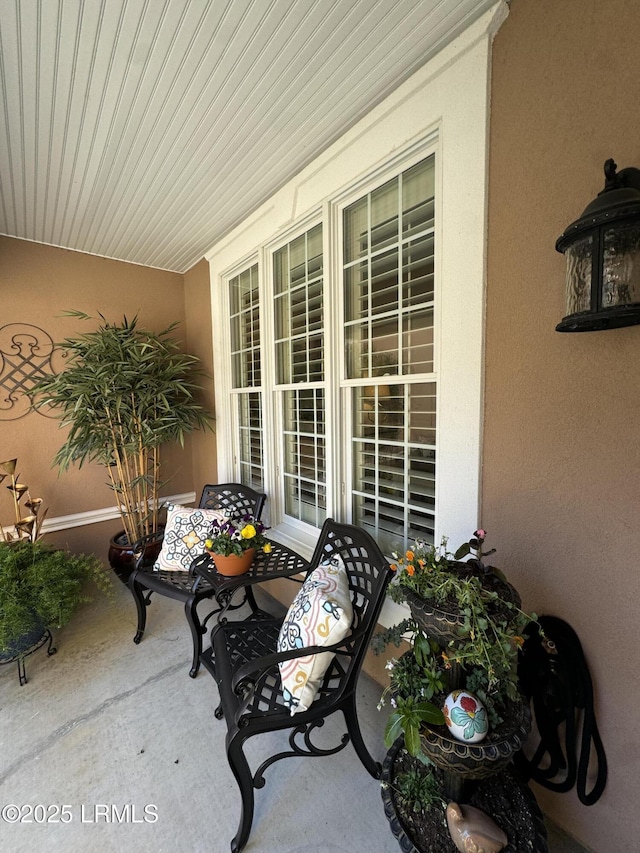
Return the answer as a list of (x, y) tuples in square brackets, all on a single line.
[(244, 662), (235, 500)]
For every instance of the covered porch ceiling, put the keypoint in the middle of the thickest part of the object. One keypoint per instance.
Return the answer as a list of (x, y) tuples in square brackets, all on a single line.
[(145, 131)]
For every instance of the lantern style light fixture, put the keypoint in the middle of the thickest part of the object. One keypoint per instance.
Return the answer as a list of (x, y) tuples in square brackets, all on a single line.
[(602, 249)]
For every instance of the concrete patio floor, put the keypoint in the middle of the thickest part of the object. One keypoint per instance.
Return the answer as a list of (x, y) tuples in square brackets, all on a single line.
[(121, 735)]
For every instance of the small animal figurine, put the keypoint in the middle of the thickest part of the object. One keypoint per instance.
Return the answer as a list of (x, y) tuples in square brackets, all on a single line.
[(473, 831)]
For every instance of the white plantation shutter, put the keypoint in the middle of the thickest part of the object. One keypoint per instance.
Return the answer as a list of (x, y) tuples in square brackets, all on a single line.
[(385, 431), (246, 371), (298, 289), (388, 268)]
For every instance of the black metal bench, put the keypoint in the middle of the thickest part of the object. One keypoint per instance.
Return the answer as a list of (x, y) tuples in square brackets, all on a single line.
[(244, 662)]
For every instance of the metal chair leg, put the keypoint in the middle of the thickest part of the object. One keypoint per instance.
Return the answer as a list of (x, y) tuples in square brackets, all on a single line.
[(196, 634), (353, 727), (240, 769), (141, 607), (251, 599)]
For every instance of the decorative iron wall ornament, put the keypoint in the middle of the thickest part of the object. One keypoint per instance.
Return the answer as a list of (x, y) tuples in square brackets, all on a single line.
[(27, 353)]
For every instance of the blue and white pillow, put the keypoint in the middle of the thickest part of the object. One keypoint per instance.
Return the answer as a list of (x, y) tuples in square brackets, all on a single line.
[(320, 615), (184, 536)]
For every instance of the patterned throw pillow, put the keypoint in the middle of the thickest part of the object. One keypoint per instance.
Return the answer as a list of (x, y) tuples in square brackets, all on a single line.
[(320, 615), (184, 536)]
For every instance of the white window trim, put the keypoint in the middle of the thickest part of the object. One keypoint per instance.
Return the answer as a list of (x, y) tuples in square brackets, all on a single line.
[(450, 96)]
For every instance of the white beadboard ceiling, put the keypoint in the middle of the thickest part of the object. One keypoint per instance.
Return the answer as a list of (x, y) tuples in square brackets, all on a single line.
[(145, 130)]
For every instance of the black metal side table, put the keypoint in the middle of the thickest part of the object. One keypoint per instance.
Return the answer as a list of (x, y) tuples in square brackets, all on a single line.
[(202, 582), (280, 562)]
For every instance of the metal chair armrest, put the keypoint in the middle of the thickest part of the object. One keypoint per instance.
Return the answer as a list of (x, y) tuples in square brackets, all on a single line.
[(138, 548), (250, 672)]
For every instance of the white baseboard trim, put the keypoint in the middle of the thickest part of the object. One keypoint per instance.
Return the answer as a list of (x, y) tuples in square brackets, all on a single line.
[(96, 516)]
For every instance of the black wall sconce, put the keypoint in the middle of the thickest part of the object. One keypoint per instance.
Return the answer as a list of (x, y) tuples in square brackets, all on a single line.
[(602, 250)]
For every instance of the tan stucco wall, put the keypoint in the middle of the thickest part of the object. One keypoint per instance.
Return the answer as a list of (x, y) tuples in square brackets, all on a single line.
[(37, 283), (561, 484)]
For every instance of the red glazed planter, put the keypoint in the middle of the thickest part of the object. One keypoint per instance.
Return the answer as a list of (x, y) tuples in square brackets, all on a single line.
[(121, 556), (233, 564)]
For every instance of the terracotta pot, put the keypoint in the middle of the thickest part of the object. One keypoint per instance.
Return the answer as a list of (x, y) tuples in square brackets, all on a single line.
[(233, 564), (121, 556)]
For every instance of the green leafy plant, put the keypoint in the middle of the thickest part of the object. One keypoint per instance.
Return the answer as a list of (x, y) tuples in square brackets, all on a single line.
[(490, 631), (236, 536), (418, 789), (418, 674), (492, 623), (407, 718), (125, 392), (41, 586)]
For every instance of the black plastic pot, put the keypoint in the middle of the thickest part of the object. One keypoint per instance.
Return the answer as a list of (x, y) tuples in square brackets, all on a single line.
[(444, 625), (22, 644), (522, 800)]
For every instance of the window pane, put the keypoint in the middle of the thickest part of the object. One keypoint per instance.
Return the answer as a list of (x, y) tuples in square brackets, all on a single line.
[(418, 271), (299, 355), (384, 282), (578, 285), (417, 342), (418, 191), (384, 215), (281, 272), (304, 455), (314, 253), (251, 440), (356, 231), (422, 414), (299, 309), (620, 267), (282, 315), (356, 292), (245, 329), (384, 346)]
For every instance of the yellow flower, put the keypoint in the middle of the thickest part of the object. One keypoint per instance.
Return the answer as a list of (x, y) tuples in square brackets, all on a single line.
[(248, 531), (267, 547), (208, 543)]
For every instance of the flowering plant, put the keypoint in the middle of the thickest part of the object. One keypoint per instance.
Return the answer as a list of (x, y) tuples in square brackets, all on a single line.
[(489, 634), (430, 570), (236, 535)]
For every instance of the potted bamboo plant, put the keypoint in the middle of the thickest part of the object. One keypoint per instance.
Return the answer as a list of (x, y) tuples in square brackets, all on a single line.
[(125, 392)]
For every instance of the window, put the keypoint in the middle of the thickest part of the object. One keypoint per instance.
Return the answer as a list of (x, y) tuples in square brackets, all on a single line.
[(388, 263), (300, 374), (247, 376), (383, 477), (349, 373)]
